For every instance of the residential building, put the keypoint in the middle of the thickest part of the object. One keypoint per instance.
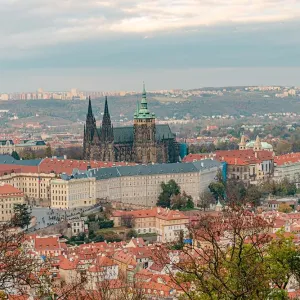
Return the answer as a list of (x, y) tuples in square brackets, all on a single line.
[(48, 246), (166, 223), (9, 196), (103, 269), (77, 226), (30, 145), (288, 166), (250, 166), (7, 146)]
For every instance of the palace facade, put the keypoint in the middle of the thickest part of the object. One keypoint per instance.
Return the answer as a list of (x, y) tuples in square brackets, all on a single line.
[(144, 142)]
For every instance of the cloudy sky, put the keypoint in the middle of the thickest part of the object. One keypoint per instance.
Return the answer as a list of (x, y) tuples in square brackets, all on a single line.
[(116, 44)]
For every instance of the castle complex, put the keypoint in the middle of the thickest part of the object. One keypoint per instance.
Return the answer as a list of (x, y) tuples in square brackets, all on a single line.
[(144, 142)]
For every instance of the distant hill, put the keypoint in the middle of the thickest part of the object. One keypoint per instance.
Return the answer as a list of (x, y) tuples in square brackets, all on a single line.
[(244, 103)]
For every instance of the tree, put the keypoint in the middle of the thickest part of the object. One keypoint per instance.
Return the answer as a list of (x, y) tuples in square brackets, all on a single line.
[(285, 208), (182, 201), (127, 220), (28, 154), (106, 224), (253, 195), (48, 151), (206, 198), (235, 191), (283, 147), (190, 203), (282, 254), (20, 271), (168, 190), (131, 233), (15, 155), (232, 269), (217, 189), (22, 216)]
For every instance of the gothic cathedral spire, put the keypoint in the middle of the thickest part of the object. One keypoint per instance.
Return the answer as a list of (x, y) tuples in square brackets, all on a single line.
[(90, 111), (107, 133), (89, 131)]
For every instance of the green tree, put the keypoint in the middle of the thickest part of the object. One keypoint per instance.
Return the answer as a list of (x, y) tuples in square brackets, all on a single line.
[(106, 224), (168, 190), (282, 254), (190, 203), (22, 216), (28, 154), (48, 151), (236, 191), (217, 189), (253, 195), (15, 155), (182, 201), (131, 234)]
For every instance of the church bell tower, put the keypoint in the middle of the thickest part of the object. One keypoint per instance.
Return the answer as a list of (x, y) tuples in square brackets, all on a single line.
[(144, 141)]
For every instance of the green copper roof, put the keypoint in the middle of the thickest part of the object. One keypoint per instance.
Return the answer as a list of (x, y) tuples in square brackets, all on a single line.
[(264, 145), (142, 111)]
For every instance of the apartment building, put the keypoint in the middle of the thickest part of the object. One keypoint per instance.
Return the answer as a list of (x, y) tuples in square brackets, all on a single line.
[(9, 196), (166, 223)]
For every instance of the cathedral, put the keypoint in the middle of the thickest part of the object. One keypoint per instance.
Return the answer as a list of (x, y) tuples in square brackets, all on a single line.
[(144, 142)]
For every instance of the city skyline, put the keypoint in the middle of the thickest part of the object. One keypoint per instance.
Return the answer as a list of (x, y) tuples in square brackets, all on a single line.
[(118, 44)]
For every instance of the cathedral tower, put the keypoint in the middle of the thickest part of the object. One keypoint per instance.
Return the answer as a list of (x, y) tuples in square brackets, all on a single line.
[(107, 136), (90, 131), (144, 141)]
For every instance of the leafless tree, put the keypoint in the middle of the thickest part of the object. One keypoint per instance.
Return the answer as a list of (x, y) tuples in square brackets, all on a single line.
[(19, 270), (127, 220), (225, 260)]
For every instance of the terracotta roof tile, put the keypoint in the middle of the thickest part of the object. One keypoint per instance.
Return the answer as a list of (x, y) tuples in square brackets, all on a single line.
[(9, 190)]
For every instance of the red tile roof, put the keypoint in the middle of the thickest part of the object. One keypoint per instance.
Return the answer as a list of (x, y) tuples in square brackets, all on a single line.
[(47, 243), (159, 212), (287, 159), (7, 190), (67, 264), (243, 157), (8, 169), (194, 157), (233, 157)]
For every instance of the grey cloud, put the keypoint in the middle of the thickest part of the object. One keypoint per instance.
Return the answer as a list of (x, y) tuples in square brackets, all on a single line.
[(29, 24)]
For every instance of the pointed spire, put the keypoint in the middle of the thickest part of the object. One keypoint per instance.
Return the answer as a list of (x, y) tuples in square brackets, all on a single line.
[(144, 95), (90, 111), (106, 112), (106, 128), (257, 139)]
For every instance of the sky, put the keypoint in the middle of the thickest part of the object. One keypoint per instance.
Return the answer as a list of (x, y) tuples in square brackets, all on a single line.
[(118, 44)]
